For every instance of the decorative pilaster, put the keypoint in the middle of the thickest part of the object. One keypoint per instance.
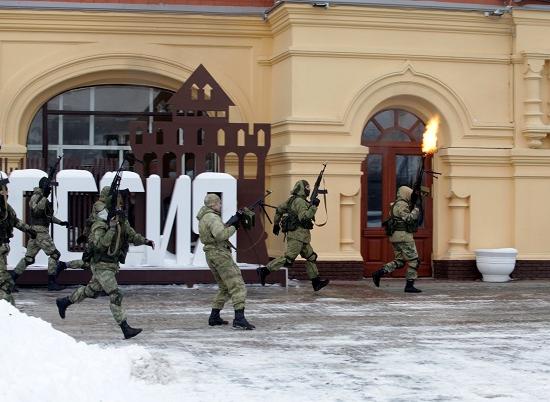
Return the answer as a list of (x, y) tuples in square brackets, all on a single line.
[(535, 130), (347, 205), (459, 207)]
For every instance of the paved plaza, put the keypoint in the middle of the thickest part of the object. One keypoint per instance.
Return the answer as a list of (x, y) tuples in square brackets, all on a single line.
[(349, 342)]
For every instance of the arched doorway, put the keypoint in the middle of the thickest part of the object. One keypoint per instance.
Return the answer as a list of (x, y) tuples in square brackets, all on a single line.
[(394, 138)]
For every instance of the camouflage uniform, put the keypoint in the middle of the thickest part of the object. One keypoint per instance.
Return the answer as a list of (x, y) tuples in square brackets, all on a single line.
[(295, 216), (109, 245), (84, 262), (214, 235), (402, 239), (41, 218), (8, 220)]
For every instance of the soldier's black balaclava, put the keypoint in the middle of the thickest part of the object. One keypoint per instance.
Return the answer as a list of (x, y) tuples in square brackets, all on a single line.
[(45, 186)]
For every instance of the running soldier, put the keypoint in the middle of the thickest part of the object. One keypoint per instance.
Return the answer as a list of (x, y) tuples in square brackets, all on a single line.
[(295, 218), (109, 244), (403, 223), (8, 220), (41, 217)]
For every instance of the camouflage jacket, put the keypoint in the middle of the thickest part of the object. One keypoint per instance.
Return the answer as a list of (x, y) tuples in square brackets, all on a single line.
[(111, 244), (400, 209), (305, 212), (212, 231), (41, 211), (9, 220)]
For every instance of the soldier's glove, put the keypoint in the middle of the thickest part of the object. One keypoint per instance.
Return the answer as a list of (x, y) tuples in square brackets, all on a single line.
[(64, 223), (235, 220), (150, 243), (32, 233), (81, 239), (315, 202), (113, 222), (276, 229)]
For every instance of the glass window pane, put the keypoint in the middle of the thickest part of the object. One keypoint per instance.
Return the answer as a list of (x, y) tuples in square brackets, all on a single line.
[(53, 129), (418, 131), (371, 132), (35, 132), (374, 188), (121, 99), (113, 130), (406, 119), (76, 130), (53, 104), (86, 158), (386, 118), (160, 100), (396, 135), (406, 169), (77, 99)]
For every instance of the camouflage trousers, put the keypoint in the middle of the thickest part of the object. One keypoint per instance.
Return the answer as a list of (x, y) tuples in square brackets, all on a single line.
[(404, 252), (6, 283), (229, 278), (44, 242), (103, 278), (293, 249), (78, 264)]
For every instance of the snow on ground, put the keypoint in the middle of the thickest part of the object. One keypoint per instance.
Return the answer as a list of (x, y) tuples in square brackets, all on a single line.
[(326, 348)]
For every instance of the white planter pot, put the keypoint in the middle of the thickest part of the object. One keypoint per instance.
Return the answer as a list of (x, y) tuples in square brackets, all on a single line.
[(496, 264)]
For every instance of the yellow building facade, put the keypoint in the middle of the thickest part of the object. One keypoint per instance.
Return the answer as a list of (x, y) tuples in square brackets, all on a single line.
[(318, 76)]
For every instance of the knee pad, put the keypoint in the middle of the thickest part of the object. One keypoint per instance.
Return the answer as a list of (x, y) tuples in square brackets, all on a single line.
[(399, 264), (414, 264), (29, 260), (312, 257), (89, 292), (288, 262), (55, 255), (116, 297)]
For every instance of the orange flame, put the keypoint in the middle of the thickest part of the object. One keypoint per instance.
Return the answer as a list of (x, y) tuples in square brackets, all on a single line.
[(429, 138)]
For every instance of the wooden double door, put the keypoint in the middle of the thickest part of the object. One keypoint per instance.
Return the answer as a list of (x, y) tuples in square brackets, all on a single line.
[(389, 165)]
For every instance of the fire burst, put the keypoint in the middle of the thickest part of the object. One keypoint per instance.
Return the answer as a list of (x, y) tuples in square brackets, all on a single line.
[(429, 138)]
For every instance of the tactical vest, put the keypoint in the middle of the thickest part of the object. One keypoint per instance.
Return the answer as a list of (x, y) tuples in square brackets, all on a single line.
[(394, 224), (42, 217), (290, 220), (120, 254)]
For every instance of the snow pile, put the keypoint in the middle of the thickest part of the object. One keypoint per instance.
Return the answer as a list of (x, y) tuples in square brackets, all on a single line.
[(43, 364)]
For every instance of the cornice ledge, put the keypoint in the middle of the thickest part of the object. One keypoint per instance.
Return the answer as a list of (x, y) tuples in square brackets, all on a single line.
[(530, 157), (318, 153), (475, 156), (334, 53)]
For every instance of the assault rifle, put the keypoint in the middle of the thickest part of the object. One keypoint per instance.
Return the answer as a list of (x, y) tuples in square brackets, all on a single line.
[(114, 191), (316, 190), (52, 171), (247, 215), (418, 191)]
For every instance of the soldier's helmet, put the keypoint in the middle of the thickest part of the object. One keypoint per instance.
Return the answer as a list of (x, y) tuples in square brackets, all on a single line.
[(301, 188), (404, 193), (104, 193), (211, 199)]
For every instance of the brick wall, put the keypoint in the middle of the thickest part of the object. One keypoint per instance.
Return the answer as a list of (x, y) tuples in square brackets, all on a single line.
[(344, 270)]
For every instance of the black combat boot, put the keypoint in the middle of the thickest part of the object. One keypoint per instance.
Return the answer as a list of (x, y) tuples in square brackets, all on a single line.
[(62, 304), (128, 331), (14, 276), (215, 318), (262, 274), (61, 266), (409, 287), (377, 275), (240, 322), (319, 283), (52, 283)]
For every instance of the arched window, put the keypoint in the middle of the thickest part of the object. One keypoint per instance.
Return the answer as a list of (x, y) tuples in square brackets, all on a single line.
[(393, 125), (90, 126)]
